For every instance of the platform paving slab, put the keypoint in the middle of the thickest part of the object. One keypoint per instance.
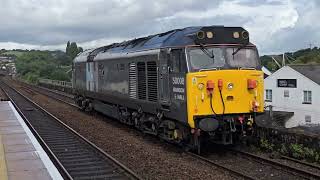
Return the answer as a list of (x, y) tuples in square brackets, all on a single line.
[(21, 156)]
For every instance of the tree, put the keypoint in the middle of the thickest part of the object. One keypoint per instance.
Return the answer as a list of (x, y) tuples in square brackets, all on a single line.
[(72, 50), (80, 49), (68, 46)]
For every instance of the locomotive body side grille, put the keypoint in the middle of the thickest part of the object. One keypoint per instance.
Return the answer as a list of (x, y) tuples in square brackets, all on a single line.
[(142, 88), (152, 81), (132, 81)]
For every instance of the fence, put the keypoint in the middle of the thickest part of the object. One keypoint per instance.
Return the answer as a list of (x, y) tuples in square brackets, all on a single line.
[(57, 85)]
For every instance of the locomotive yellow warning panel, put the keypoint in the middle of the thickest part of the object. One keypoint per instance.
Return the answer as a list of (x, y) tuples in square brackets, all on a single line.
[(233, 92)]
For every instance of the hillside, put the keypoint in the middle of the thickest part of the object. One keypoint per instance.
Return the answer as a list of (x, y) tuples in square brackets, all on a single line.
[(34, 64), (303, 56)]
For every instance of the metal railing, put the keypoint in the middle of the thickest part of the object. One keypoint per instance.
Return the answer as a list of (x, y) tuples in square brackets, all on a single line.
[(56, 83)]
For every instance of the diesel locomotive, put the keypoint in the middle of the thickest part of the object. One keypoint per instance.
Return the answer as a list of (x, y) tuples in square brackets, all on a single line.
[(186, 86)]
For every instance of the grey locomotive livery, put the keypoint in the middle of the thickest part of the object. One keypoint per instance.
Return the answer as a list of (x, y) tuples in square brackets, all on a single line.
[(146, 75), (143, 82)]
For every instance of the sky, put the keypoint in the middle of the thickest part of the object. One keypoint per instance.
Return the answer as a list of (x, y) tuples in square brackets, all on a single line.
[(275, 26)]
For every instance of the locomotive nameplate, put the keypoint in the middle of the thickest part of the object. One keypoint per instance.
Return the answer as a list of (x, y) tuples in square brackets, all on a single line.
[(178, 88)]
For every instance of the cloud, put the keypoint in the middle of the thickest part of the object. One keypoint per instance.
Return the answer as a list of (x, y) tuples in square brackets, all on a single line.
[(38, 24)]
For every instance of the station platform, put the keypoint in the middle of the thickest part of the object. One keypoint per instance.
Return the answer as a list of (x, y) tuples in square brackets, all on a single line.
[(21, 155)]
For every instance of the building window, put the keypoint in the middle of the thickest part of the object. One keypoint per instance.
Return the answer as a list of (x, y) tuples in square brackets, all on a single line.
[(287, 83), (286, 93), (307, 119), (307, 97), (269, 95)]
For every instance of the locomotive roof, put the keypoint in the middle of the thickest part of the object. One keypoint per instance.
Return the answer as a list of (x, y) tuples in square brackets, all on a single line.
[(173, 38)]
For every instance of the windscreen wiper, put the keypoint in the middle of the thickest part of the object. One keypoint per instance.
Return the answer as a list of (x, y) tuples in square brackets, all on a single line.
[(206, 51), (239, 48)]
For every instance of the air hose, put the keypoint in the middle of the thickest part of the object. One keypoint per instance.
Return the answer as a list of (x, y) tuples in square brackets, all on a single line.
[(223, 105), (212, 106)]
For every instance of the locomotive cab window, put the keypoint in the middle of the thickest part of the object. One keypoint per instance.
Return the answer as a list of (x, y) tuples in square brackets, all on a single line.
[(244, 58), (177, 61), (223, 57), (206, 58)]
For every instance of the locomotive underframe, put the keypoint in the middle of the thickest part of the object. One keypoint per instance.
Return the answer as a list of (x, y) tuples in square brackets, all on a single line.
[(150, 119)]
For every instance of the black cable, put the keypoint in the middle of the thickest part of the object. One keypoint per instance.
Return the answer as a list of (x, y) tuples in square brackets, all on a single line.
[(212, 106), (224, 108)]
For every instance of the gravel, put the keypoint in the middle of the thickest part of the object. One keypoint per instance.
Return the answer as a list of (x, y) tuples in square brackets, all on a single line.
[(145, 155)]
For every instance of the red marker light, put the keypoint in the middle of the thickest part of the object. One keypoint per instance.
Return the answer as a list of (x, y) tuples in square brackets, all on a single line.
[(210, 86), (252, 84), (255, 106)]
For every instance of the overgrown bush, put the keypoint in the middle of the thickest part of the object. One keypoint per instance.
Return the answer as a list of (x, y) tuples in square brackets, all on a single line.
[(266, 145), (33, 65), (298, 151)]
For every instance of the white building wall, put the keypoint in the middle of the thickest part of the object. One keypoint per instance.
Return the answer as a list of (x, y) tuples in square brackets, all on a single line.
[(294, 103)]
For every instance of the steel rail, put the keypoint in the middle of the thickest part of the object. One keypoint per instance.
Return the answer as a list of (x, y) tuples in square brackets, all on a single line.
[(238, 174), (301, 162), (68, 173), (49, 92), (291, 169)]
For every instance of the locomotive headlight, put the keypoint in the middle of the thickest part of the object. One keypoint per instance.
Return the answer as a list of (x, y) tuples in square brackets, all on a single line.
[(245, 34), (200, 35), (230, 86), (209, 34), (236, 35)]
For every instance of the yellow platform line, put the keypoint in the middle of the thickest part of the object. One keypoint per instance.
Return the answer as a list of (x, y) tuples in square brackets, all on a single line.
[(3, 166)]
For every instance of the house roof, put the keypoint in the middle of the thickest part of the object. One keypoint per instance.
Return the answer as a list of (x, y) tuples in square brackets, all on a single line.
[(311, 71)]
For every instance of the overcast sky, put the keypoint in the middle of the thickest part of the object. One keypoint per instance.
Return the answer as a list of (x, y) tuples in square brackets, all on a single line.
[(274, 26)]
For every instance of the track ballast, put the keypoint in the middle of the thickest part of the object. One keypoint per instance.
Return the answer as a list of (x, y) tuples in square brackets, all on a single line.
[(75, 156)]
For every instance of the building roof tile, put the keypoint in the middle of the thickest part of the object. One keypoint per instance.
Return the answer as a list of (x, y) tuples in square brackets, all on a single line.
[(311, 71)]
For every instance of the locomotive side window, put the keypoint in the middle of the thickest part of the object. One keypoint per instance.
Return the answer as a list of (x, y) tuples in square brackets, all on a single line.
[(177, 61)]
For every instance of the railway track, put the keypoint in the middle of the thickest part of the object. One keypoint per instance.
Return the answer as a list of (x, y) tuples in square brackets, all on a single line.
[(60, 96), (284, 170), (68, 98), (221, 166), (74, 155), (298, 162), (299, 170)]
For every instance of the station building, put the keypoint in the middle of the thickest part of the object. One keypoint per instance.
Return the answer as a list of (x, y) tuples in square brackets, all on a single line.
[(295, 88)]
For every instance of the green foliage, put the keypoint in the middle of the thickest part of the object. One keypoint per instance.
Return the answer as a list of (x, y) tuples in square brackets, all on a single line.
[(72, 49), (299, 151), (266, 145), (283, 150), (33, 65), (59, 74), (296, 151), (303, 56), (2, 51), (14, 53), (30, 77)]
